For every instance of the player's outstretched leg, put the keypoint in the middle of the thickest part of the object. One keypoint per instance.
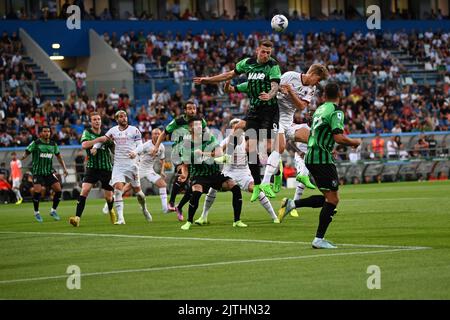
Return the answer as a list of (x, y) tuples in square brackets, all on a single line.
[(209, 200)]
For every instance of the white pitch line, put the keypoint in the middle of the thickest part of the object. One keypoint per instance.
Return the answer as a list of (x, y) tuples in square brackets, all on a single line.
[(203, 239), (191, 266)]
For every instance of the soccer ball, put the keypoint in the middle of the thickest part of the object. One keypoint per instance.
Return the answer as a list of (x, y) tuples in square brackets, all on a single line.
[(279, 23)]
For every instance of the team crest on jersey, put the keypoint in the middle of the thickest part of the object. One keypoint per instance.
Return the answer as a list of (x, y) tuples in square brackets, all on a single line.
[(256, 76)]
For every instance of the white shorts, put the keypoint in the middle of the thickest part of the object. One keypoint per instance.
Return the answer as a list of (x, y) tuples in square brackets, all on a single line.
[(150, 175), (286, 126), (300, 166), (125, 174), (16, 183), (242, 177)]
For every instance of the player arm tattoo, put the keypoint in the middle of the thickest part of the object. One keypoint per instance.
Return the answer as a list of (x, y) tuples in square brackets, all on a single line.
[(274, 89)]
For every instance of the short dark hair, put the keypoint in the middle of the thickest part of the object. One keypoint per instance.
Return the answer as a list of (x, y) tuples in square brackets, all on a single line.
[(189, 102), (93, 113), (266, 43), (332, 90)]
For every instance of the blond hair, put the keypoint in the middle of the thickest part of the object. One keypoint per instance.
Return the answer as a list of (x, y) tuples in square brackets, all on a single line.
[(320, 70)]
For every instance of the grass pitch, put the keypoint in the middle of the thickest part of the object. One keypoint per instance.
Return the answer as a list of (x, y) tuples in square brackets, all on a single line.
[(403, 228)]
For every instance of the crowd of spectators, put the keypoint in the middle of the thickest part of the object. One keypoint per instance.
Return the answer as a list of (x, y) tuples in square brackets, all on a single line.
[(374, 101), (49, 10)]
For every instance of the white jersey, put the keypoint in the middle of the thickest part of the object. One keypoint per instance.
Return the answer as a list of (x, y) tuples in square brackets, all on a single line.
[(125, 141), (304, 92), (239, 160), (238, 169), (146, 160)]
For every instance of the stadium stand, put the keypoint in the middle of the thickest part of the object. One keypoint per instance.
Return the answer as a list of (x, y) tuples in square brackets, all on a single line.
[(394, 83)]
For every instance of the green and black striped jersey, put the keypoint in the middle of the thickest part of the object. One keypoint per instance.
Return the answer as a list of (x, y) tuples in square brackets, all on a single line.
[(201, 166), (42, 156), (179, 129), (259, 78), (102, 159), (327, 121)]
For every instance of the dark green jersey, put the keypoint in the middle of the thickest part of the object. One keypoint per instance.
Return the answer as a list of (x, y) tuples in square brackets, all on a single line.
[(326, 122), (42, 156), (201, 165), (179, 129), (259, 77), (102, 159)]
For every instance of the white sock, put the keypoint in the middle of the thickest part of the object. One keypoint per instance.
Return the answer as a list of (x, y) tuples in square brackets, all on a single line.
[(163, 196), (141, 199), (267, 205), (317, 239), (299, 191), (209, 200), (272, 166), (17, 193), (118, 202)]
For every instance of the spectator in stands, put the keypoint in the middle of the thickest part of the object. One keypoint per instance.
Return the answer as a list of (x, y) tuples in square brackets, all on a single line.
[(377, 147), (113, 98), (397, 128), (105, 15), (392, 148), (432, 145), (13, 82), (421, 148)]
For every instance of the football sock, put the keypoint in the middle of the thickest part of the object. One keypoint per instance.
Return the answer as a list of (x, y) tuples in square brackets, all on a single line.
[(118, 202), (311, 202), (56, 199), (209, 200), (237, 202), (110, 204), (176, 187), (17, 193), (272, 166), (163, 196), (186, 197), (193, 205), (80, 205), (36, 198), (325, 218), (141, 199), (299, 191), (267, 205)]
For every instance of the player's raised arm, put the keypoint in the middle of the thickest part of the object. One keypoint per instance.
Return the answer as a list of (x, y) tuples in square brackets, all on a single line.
[(215, 79), (161, 138), (289, 90)]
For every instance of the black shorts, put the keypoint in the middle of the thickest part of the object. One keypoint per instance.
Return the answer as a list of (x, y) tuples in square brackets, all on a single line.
[(263, 121), (47, 180), (213, 181), (325, 176), (93, 176)]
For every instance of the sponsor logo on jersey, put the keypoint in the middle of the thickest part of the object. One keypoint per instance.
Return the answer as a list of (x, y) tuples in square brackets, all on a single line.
[(46, 155), (256, 76)]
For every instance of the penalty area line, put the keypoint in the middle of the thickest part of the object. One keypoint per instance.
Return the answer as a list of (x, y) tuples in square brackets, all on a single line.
[(132, 236), (205, 265)]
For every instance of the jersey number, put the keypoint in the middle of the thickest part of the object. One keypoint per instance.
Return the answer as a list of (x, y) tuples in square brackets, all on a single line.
[(316, 123)]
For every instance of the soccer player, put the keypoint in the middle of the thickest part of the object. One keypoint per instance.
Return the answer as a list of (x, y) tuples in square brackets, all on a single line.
[(146, 163), (238, 171), (263, 77), (326, 130), (198, 159), (16, 176), (126, 139), (296, 92), (98, 168), (42, 150), (178, 128)]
